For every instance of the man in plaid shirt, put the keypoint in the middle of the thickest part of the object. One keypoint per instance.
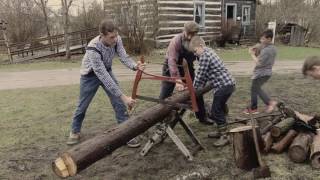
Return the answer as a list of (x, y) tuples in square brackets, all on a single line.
[(212, 70)]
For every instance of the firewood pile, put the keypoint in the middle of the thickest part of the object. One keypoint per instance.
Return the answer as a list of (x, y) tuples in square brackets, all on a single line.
[(294, 132)]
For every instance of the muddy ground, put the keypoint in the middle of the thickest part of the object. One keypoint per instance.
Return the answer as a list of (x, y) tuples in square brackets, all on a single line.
[(27, 152)]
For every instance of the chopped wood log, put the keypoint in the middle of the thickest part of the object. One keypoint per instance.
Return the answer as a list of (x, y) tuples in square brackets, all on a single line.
[(315, 151), (269, 125), (83, 155), (299, 148), (285, 141), (282, 127), (267, 141), (244, 151)]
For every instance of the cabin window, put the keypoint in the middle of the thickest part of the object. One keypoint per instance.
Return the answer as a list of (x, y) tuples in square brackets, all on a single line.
[(124, 16), (246, 15), (199, 13)]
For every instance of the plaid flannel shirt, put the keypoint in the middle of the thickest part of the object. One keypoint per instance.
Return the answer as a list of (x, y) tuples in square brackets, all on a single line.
[(212, 70)]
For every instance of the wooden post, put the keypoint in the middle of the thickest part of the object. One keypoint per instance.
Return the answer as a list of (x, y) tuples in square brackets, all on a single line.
[(299, 149), (284, 142), (315, 151), (244, 151), (282, 127), (6, 39), (83, 155)]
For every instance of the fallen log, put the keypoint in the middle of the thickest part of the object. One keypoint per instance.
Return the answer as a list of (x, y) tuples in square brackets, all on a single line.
[(244, 151), (315, 151), (267, 141), (282, 127), (285, 141), (299, 148), (83, 155)]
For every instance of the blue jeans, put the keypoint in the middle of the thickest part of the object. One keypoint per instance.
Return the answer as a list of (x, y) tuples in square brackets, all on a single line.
[(256, 90), (220, 99), (89, 85)]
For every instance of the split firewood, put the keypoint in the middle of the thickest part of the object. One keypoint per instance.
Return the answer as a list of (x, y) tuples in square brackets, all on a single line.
[(315, 151), (267, 141), (299, 148), (285, 141), (282, 127)]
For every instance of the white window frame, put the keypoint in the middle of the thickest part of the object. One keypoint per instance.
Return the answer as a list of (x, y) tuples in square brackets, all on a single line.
[(203, 13), (248, 20), (235, 11)]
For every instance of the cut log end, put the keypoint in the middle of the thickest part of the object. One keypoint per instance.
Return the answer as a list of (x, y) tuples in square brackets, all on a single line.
[(64, 166), (315, 161), (275, 132), (297, 154)]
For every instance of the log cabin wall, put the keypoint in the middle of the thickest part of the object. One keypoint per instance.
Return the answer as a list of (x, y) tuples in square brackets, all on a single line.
[(168, 17)]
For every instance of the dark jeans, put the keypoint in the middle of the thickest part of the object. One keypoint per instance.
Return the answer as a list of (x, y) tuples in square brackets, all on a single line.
[(88, 88), (256, 90), (167, 90), (220, 99)]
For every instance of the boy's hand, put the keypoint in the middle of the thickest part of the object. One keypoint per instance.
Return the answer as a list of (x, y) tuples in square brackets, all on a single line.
[(128, 101), (179, 85), (140, 66), (252, 51)]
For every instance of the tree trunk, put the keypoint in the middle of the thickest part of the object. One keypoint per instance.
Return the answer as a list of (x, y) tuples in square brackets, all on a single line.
[(65, 12), (299, 149), (284, 142), (83, 155), (44, 11), (282, 127), (244, 151), (267, 141), (315, 151)]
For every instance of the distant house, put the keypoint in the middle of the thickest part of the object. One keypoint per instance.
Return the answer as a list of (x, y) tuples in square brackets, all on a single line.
[(169, 16), (241, 15)]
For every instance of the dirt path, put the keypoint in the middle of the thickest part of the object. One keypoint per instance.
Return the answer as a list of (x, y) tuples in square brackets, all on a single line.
[(47, 78)]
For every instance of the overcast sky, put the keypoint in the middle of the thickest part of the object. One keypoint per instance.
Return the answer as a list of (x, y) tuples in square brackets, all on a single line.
[(56, 4)]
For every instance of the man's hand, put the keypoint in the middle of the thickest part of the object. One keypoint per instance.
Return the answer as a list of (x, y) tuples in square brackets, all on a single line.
[(179, 85), (128, 101), (140, 66)]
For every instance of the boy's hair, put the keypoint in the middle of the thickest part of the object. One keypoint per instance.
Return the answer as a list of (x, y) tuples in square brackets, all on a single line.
[(107, 26), (267, 33), (309, 64), (196, 41)]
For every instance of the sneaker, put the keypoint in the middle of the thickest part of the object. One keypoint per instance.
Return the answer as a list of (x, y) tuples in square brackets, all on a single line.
[(222, 141), (133, 143), (272, 105), (74, 138), (220, 131), (253, 111), (206, 121)]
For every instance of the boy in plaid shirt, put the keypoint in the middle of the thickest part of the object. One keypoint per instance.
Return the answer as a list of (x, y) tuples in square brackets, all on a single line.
[(212, 70)]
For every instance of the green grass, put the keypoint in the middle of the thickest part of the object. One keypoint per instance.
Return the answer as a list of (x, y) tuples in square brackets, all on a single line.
[(284, 53), (158, 56), (35, 123)]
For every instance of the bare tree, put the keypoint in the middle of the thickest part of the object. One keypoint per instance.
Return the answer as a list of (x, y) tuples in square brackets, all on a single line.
[(43, 5), (66, 4)]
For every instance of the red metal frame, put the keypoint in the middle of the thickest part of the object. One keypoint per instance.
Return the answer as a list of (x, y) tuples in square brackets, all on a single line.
[(186, 78)]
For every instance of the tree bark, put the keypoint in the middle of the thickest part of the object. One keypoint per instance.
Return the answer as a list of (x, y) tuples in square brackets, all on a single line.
[(244, 151), (282, 127), (65, 11), (285, 141), (299, 149), (315, 151), (83, 155)]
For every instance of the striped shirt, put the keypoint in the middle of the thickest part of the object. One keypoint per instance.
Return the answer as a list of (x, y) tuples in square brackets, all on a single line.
[(92, 61), (212, 70)]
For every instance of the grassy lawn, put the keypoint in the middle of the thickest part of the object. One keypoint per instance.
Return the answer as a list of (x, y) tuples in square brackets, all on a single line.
[(157, 56), (284, 53), (35, 123)]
